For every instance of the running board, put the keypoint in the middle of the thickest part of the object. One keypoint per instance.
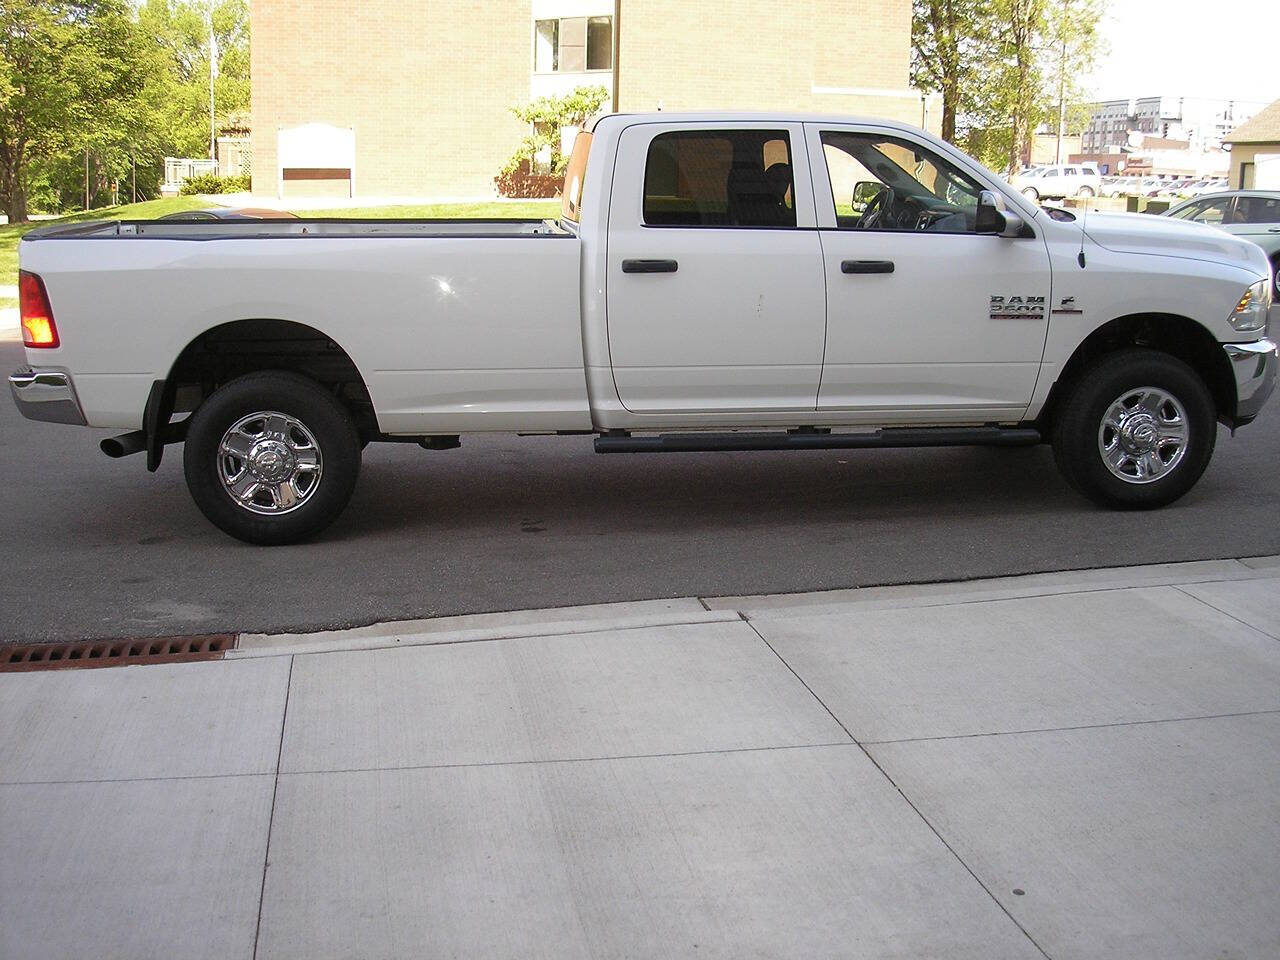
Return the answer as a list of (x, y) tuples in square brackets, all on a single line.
[(819, 440)]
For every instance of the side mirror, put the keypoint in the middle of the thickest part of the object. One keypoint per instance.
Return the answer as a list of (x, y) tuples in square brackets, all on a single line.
[(991, 220), (864, 191)]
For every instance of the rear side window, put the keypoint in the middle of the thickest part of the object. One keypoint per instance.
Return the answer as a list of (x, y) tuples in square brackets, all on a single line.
[(571, 194), (1258, 210), (720, 178)]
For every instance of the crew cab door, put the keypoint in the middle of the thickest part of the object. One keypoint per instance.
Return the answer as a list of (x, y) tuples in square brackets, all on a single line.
[(926, 319), (714, 289)]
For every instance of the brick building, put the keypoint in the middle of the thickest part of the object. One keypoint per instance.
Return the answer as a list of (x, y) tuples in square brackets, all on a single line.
[(412, 98)]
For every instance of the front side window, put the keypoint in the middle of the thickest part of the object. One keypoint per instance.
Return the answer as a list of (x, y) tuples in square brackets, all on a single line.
[(573, 44), (883, 183), (720, 178), (1214, 211)]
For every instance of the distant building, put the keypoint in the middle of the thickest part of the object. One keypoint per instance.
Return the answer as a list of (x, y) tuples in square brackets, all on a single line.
[(1255, 151), (388, 98), (1203, 123)]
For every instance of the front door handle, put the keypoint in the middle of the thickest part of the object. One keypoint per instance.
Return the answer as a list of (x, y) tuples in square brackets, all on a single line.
[(649, 266), (866, 266)]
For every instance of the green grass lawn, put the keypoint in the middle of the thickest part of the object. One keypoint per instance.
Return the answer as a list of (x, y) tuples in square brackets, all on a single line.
[(11, 234), (520, 210), (509, 210)]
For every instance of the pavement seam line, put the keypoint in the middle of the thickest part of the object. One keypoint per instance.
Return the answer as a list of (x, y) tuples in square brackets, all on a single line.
[(923, 819), (1082, 726), (1017, 576), (950, 849), (601, 759), (271, 818), (1213, 606), (763, 613), (255, 653), (634, 756)]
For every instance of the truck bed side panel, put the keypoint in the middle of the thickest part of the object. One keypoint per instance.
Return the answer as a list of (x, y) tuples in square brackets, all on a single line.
[(449, 333)]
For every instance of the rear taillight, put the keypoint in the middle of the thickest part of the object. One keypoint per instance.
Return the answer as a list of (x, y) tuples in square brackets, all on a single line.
[(38, 328)]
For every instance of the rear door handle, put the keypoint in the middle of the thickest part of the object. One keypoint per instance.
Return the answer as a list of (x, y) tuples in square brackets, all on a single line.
[(649, 266), (866, 266)]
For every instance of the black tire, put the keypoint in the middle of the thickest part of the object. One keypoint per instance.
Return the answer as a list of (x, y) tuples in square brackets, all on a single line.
[(337, 453), (1275, 277), (1077, 429)]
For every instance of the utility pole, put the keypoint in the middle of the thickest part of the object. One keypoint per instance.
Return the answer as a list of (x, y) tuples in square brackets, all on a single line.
[(617, 37), (1062, 84), (213, 75), (86, 178)]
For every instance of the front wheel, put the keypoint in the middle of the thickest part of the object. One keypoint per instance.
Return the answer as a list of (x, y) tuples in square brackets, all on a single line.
[(1085, 192), (1136, 430), (271, 458), (1031, 193)]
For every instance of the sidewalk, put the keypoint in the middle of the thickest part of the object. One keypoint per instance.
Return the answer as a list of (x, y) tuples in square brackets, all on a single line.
[(1076, 765)]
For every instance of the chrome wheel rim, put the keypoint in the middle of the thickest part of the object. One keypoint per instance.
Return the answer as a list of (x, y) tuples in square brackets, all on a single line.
[(1144, 435), (269, 463)]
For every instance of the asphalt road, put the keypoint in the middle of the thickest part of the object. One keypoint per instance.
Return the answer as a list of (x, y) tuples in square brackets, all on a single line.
[(94, 547)]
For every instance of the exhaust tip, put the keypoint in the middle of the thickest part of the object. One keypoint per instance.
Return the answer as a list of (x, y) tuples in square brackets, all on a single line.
[(123, 445)]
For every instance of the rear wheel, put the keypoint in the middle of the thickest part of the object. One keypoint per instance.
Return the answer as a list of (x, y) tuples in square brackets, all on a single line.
[(271, 458), (1136, 430)]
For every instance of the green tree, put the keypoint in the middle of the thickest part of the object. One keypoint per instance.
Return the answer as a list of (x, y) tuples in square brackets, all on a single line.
[(949, 49), (71, 79), (180, 29), (1004, 68)]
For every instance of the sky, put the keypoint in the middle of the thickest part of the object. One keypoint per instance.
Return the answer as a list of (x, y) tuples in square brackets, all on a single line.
[(1189, 48)]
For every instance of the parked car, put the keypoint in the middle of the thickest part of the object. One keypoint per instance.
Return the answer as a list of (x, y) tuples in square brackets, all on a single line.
[(231, 213), (693, 295), (1059, 180), (1252, 214), (1121, 186)]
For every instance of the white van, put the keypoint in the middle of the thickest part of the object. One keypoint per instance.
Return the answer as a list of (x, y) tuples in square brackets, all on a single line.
[(1059, 180)]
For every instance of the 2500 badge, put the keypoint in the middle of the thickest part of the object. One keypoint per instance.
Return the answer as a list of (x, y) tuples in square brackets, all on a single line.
[(1017, 308)]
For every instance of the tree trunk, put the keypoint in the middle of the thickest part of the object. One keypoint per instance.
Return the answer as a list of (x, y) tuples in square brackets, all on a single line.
[(950, 100), (13, 196)]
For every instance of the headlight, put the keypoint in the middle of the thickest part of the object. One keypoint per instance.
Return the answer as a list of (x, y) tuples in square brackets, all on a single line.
[(1251, 312)]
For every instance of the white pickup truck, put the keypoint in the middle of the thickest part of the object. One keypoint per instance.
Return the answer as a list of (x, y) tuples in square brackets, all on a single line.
[(714, 282)]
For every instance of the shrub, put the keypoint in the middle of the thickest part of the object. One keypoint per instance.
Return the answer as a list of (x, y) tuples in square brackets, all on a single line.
[(546, 117), (212, 183)]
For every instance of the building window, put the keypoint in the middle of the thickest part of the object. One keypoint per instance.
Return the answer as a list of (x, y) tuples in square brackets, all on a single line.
[(573, 45)]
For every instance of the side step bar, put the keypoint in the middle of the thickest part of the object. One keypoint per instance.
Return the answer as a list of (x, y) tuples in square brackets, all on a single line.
[(819, 440)]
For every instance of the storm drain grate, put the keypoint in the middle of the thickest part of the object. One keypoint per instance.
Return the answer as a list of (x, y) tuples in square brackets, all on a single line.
[(113, 653)]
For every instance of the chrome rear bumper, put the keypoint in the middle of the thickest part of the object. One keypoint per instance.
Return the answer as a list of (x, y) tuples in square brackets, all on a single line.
[(47, 395), (1254, 366)]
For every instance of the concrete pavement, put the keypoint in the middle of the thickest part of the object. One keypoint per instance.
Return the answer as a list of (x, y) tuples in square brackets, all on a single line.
[(1076, 765)]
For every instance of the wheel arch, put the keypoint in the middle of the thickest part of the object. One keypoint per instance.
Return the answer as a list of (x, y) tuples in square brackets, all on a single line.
[(230, 350), (1176, 335)]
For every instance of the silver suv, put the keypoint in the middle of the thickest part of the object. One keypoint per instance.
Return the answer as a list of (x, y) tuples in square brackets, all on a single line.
[(1059, 180)]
